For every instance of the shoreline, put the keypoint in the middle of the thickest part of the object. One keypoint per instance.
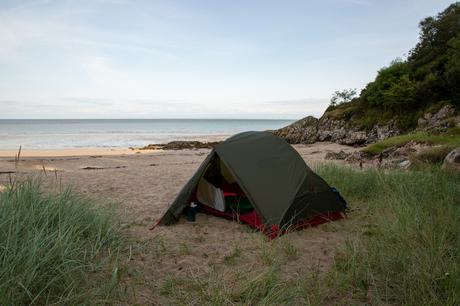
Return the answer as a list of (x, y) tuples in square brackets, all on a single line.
[(66, 152), (315, 152), (105, 151)]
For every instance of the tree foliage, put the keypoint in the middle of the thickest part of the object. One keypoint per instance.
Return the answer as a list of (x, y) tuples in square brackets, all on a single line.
[(429, 76), (343, 96)]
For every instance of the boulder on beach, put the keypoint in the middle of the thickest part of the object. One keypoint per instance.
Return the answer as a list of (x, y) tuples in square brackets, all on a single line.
[(452, 160)]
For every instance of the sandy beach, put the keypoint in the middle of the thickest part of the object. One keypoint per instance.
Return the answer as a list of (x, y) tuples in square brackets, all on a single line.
[(152, 153), (141, 184), (50, 153)]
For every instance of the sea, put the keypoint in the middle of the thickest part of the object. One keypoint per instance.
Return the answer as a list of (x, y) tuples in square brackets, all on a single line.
[(121, 133)]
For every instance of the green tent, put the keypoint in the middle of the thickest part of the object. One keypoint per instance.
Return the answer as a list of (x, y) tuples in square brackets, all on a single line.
[(266, 171)]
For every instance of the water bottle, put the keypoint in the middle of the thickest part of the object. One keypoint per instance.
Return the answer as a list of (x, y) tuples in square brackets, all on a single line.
[(191, 215)]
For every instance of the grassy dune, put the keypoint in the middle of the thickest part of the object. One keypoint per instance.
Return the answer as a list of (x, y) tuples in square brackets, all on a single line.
[(52, 245)]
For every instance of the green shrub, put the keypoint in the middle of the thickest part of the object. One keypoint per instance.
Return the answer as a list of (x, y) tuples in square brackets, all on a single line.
[(49, 244), (428, 79), (342, 111)]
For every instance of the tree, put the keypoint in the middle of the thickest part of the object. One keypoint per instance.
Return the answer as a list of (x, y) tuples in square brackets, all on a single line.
[(435, 33), (428, 78), (392, 90), (452, 69), (343, 96)]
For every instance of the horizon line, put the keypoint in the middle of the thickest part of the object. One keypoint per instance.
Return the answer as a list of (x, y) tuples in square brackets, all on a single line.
[(148, 119)]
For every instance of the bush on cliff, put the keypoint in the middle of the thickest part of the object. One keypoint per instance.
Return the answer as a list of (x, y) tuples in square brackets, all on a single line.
[(426, 80)]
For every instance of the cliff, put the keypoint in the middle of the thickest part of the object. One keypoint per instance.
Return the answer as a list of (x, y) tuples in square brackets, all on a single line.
[(349, 132), (421, 92)]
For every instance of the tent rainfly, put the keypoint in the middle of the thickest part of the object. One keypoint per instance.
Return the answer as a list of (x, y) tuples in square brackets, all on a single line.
[(258, 179)]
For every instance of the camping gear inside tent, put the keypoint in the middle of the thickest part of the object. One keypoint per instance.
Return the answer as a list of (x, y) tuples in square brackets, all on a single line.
[(258, 179)]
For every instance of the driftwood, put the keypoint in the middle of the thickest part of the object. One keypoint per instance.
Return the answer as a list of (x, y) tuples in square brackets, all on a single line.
[(102, 168), (7, 172)]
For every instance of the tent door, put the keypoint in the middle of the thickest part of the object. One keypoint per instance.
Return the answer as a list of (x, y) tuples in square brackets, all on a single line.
[(209, 195)]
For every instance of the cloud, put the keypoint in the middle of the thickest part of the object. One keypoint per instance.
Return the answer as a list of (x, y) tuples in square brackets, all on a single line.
[(77, 58), (358, 2), (22, 27), (78, 107)]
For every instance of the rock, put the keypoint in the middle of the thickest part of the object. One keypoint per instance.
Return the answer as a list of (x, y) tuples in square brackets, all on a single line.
[(388, 152), (348, 132), (301, 131), (357, 156), (405, 164), (331, 129), (441, 119), (181, 145), (407, 149), (383, 131), (309, 130), (336, 155), (354, 138), (452, 160), (443, 113), (396, 152)]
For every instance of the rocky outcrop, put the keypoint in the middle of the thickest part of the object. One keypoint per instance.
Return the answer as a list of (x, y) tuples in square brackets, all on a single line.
[(452, 160), (393, 157), (301, 131), (354, 157), (310, 130), (412, 147), (181, 145), (444, 118), (337, 155), (382, 131), (357, 157)]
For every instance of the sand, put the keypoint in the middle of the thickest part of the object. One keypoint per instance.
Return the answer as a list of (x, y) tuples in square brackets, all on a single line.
[(70, 152), (142, 185)]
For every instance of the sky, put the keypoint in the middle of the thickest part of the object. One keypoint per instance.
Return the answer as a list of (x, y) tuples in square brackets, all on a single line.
[(266, 59)]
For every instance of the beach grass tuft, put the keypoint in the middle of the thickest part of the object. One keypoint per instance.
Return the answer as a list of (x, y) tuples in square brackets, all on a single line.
[(54, 248), (401, 247), (408, 252)]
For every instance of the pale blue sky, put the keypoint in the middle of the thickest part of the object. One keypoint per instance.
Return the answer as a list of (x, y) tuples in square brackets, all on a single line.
[(195, 59)]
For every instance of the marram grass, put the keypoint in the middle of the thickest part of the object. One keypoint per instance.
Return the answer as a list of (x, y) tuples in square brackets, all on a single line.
[(402, 248), (408, 252), (53, 248)]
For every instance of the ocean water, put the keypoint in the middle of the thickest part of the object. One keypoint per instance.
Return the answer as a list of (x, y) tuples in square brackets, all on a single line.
[(112, 133)]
